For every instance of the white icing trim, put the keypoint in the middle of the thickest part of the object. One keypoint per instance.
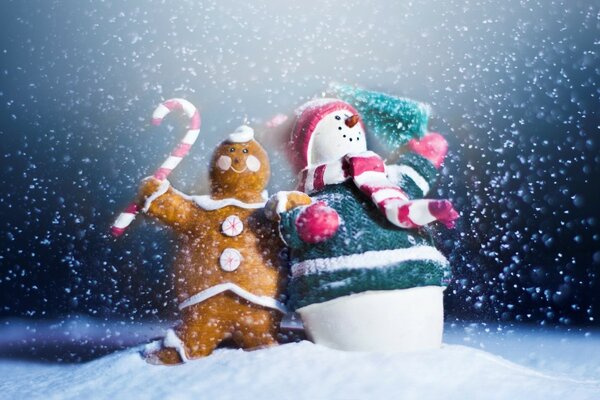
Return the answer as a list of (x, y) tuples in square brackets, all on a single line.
[(414, 175), (242, 134), (205, 202), (212, 291), (369, 259), (209, 204), (162, 189), (152, 347), (171, 340)]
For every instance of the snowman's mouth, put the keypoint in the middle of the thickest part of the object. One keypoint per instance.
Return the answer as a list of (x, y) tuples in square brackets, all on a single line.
[(238, 171)]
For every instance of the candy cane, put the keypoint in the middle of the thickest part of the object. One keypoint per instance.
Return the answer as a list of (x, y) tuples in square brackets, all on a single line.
[(126, 217)]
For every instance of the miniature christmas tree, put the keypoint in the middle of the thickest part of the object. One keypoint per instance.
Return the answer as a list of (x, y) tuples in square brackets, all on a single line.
[(393, 119)]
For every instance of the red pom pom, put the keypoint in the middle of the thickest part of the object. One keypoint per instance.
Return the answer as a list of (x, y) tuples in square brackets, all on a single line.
[(432, 146), (317, 223), (444, 212)]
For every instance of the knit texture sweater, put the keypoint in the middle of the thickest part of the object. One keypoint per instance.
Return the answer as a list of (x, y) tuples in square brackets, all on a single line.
[(367, 252)]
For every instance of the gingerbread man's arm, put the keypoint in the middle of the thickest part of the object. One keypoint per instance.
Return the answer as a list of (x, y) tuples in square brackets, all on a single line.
[(162, 202)]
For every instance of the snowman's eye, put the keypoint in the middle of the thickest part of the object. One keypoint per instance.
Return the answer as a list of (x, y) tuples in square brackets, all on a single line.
[(338, 117), (245, 151), (231, 149)]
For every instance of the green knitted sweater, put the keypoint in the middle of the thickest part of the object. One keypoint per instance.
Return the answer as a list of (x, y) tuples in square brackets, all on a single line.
[(367, 252)]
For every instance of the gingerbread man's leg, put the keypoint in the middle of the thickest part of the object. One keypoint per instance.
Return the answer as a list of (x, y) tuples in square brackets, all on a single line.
[(256, 327), (201, 331)]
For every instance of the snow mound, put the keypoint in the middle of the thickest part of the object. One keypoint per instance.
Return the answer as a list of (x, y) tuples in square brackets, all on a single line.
[(294, 371)]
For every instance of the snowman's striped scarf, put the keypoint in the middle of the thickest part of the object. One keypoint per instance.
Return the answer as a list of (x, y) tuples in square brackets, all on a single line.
[(367, 171)]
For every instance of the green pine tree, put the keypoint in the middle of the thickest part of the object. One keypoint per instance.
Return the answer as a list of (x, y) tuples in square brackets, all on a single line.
[(394, 120)]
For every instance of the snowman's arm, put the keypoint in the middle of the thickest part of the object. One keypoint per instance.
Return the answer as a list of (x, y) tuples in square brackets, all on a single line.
[(288, 229), (414, 174), (161, 201)]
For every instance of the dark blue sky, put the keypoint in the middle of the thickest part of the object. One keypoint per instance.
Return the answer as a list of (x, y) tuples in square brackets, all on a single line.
[(513, 85)]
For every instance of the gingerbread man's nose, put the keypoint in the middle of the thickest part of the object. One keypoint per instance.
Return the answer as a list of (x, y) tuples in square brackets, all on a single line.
[(351, 121)]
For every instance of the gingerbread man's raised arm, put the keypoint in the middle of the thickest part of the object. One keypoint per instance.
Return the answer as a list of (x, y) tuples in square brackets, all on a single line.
[(162, 202)]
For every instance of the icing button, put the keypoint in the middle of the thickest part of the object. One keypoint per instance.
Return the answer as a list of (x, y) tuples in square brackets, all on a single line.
[(230, 259), (232, 226)]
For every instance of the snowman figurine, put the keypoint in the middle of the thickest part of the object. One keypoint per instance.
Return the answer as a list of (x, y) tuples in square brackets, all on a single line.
[(365, 274)]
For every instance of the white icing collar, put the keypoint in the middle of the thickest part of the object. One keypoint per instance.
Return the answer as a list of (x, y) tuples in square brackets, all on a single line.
[(205, 202)]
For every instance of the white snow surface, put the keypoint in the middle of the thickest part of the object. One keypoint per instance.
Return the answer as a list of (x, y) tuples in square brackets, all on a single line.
[(307, 371)]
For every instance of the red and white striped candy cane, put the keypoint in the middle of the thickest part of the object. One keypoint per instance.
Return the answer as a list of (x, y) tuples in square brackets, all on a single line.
[(126, 217)]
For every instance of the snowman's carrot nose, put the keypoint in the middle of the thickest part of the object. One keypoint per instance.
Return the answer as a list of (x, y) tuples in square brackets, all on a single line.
[(351, 121)]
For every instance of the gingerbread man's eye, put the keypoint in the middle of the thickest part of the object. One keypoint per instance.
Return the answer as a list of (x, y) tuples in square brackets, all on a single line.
[(231, 149), (245, 151)]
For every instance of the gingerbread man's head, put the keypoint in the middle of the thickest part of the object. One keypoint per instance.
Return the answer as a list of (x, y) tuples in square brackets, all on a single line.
[(240, 167)]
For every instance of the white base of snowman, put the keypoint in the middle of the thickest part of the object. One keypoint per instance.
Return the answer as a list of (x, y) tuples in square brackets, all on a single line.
[(386, 321)]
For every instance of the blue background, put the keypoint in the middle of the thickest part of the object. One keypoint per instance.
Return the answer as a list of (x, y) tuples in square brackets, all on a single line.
[(514, 87)]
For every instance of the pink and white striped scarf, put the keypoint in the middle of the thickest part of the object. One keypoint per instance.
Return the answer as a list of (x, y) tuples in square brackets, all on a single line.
[(367, 171)]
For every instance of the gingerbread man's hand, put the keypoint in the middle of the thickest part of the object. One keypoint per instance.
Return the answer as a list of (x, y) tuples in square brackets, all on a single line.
[(149, 189), (285, 201), (148, 186)]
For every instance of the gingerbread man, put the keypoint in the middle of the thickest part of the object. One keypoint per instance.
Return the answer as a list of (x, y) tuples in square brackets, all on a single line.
[(228, 272)]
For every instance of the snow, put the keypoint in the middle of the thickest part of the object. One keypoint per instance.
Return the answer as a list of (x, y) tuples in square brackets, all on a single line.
[(307, 371), (568, 352)]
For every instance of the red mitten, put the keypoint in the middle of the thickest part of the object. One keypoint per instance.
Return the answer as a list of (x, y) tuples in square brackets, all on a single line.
[(432, 146), (317, 223), (444, 212)]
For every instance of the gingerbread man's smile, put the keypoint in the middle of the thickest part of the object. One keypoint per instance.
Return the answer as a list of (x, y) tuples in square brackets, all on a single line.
[(225, 163), (237, 171)]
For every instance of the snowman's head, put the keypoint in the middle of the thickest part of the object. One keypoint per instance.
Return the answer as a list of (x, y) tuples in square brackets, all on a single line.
[(326, 130), (336, 134)]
